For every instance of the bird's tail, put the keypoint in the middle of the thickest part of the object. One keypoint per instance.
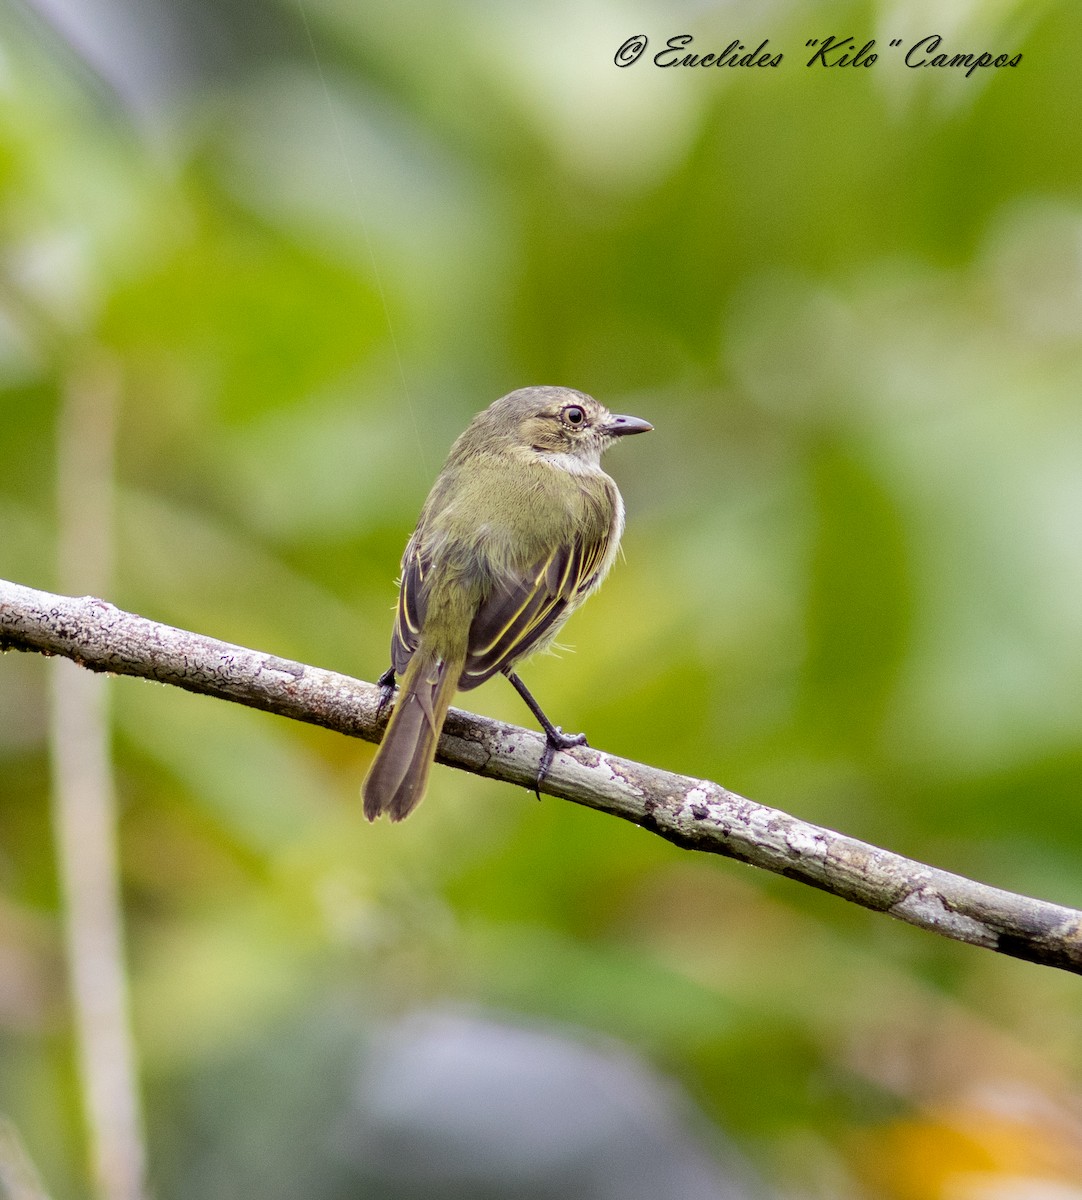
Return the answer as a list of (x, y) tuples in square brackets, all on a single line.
[(396, 781)]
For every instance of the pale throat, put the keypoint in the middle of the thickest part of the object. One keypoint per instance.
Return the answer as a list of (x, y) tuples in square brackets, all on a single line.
[(573, 464)]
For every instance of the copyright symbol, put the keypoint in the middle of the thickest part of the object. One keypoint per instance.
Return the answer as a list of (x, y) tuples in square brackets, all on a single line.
[(630, 50)]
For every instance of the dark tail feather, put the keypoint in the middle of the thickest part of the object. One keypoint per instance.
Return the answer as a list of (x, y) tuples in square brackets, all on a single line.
[(399, 773)]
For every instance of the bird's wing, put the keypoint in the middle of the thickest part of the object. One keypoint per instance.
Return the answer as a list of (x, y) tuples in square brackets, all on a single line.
[(412, 603), (523, 606)]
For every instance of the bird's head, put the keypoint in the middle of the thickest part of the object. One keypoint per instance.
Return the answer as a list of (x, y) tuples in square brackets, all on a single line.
[(555, 420)]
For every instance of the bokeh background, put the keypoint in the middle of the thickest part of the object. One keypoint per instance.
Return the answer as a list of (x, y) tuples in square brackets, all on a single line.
[(303, 241)]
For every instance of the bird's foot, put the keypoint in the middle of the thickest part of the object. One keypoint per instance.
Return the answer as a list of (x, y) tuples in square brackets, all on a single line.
[(555, 739), (386, 690)]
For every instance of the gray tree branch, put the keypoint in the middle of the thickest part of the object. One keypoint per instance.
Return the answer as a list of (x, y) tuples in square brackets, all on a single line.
[(692, 813)]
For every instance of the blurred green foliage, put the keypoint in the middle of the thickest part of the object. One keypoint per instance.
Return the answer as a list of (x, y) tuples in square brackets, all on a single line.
[(851, 304)]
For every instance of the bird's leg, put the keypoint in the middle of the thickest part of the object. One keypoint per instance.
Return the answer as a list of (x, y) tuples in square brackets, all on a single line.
[(386, 690), (555, 738)]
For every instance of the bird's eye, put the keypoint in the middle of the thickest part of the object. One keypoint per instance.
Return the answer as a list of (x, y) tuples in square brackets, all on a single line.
[(574, 415)]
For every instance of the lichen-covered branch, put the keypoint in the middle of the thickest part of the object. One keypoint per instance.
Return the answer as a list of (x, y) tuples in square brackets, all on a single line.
[(692, 813)]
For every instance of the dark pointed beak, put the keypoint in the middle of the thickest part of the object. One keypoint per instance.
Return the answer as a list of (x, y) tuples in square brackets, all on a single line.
[(620, 426)]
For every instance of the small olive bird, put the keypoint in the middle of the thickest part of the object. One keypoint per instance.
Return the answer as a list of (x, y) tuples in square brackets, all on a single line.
[(520, 527)]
